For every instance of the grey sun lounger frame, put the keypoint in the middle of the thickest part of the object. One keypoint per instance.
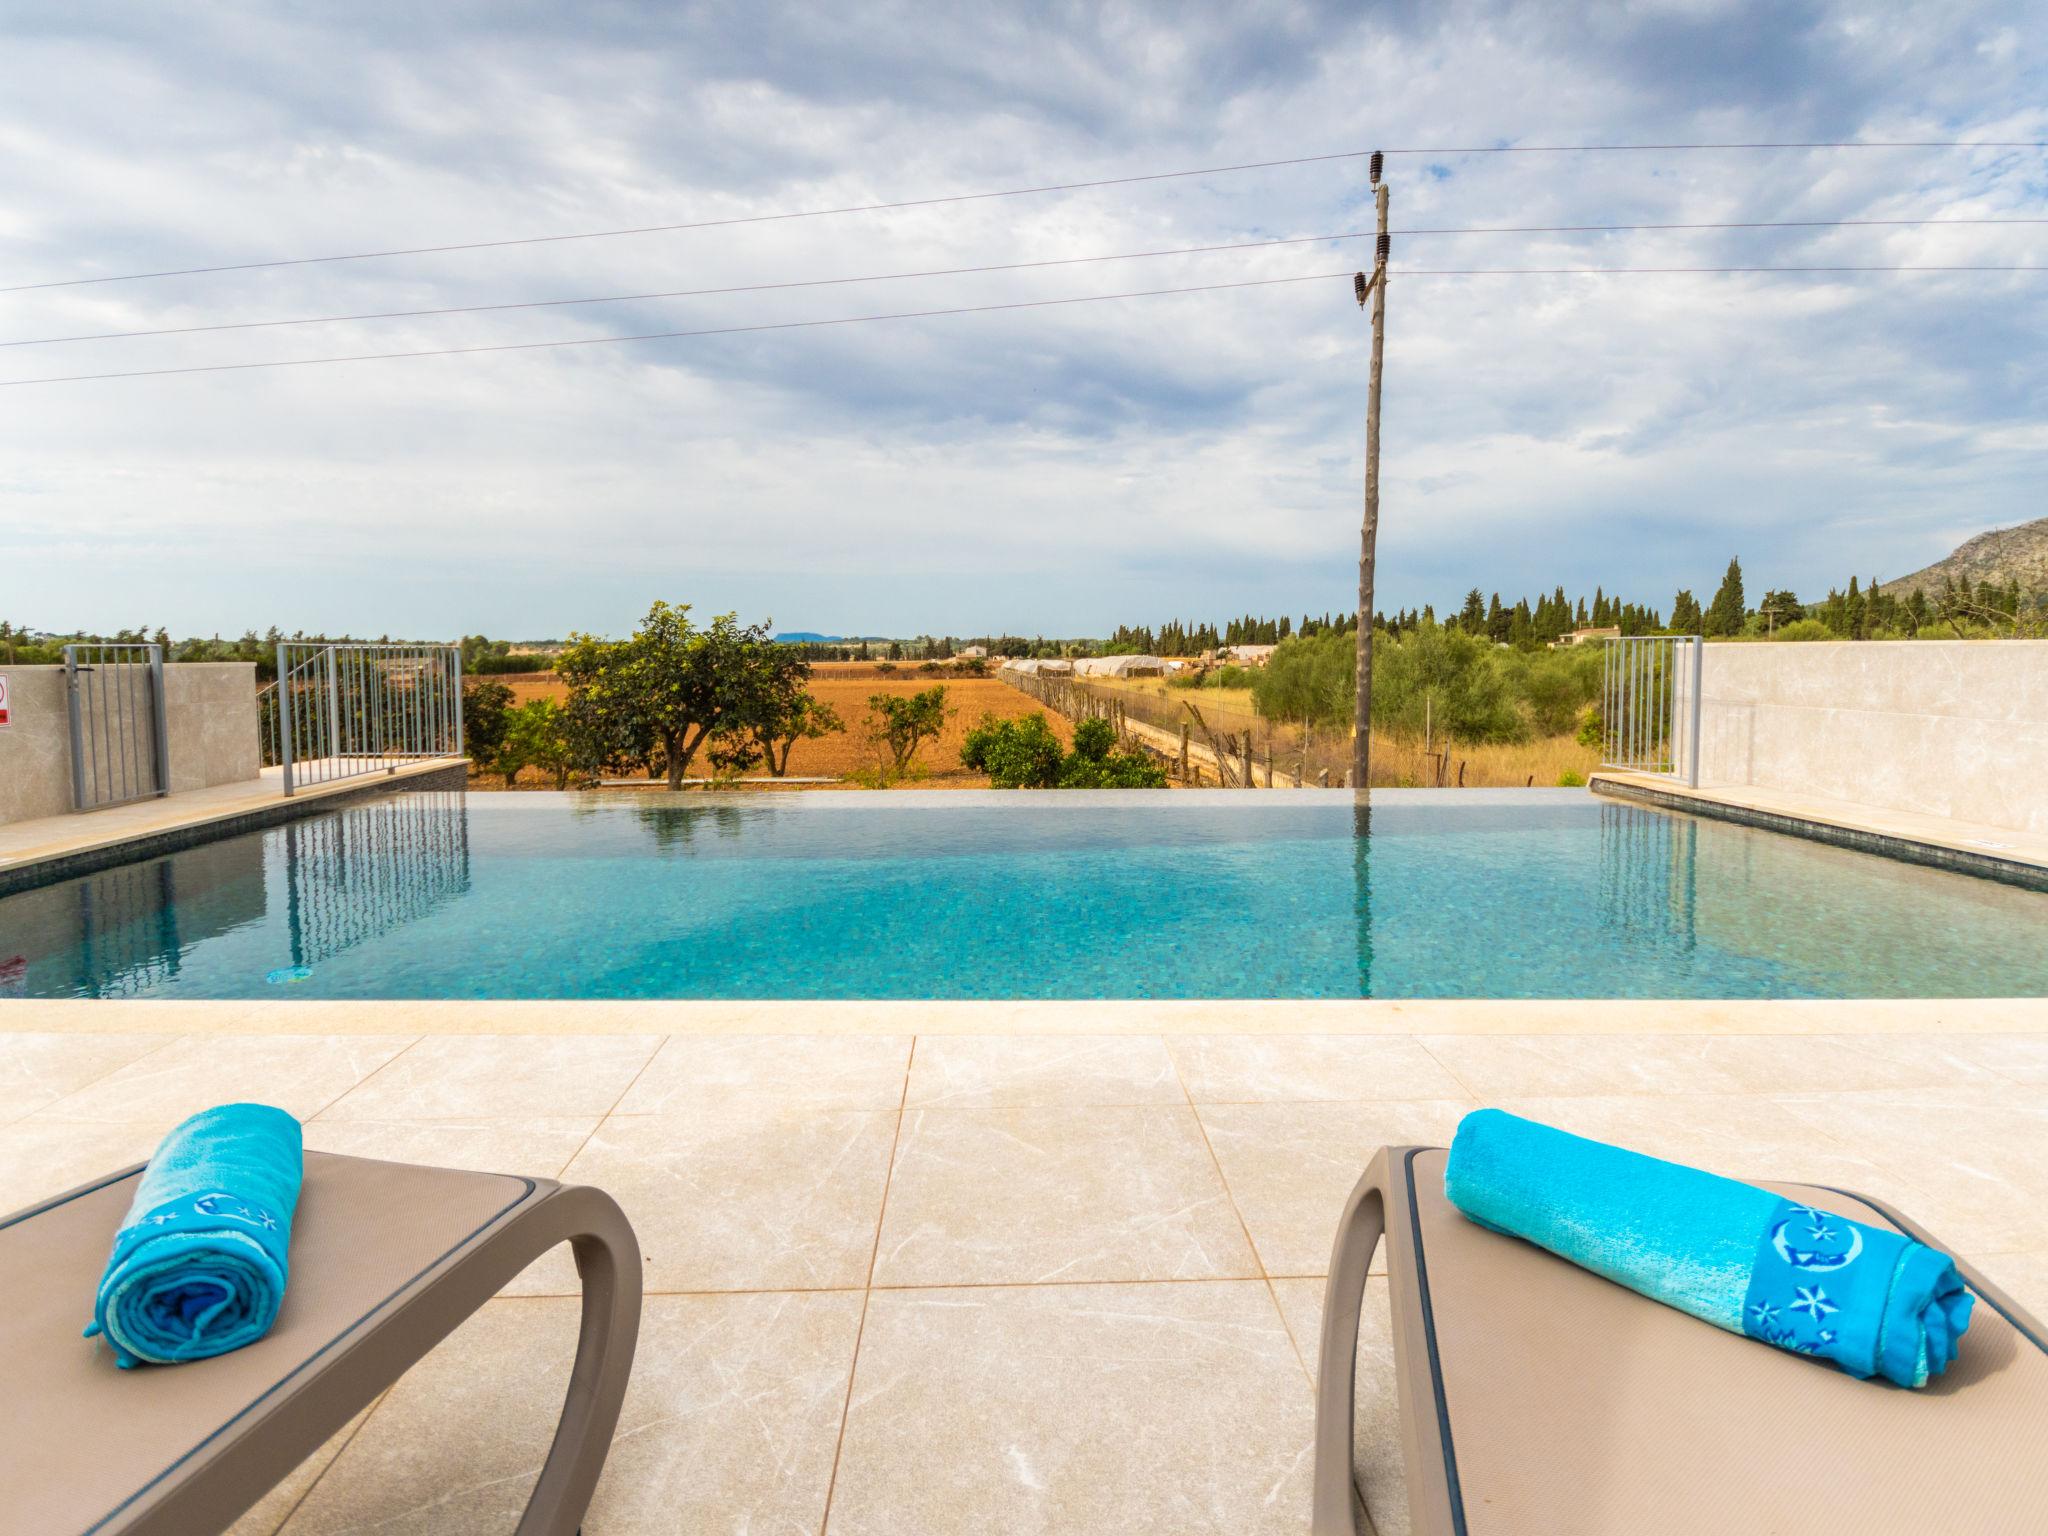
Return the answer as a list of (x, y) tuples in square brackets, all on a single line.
[(186, 1449), (1512, 1368)]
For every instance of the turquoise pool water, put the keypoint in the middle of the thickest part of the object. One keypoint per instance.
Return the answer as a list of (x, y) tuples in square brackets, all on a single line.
[(1446, 894)]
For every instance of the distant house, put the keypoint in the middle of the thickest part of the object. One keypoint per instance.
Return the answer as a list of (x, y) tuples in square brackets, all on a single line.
[(1250, 655), (972, 650), (1587, 636)]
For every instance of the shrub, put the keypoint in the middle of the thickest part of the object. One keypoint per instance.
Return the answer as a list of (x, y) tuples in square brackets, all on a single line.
[(534, 737), (1096, 764), (1571, 778), (486, 666), (1025, 754), (1016, 754), (927, 666), (485, 706), (1804, 629), (972, 666), (885, 667)]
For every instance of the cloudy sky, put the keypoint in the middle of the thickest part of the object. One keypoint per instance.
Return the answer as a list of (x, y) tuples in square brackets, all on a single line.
[(1056, 469)]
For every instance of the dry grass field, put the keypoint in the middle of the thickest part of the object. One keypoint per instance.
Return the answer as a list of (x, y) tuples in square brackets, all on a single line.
[(1398, 762), (847, 686)]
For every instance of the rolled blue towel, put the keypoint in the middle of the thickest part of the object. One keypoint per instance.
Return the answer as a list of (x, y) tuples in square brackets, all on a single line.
[(1872, 1300), (199, 1265)]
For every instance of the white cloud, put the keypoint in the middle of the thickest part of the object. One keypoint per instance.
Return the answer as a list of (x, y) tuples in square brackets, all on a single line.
[(1052, 469)]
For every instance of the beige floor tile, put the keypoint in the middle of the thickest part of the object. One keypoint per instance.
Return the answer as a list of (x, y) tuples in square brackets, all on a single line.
[(37, 1068), (301, 1074), (1836, 1063), (1227, 1069), (40, 1157), (1290, 1166), (1494, 1067), (1167, 1409), (729, 1424), (1376, 1421), (1020, 1071), (991, 1196), (2021, 1058), (791, 1071), (539, 1146), (1974, 1172), (743, 1199), (472, 1076), (275, 1507)]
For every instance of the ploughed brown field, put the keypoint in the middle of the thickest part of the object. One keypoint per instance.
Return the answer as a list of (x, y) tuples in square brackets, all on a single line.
[(846, 686)]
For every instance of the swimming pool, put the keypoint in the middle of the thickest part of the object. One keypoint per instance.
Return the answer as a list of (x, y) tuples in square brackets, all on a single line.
[(1545, 893)]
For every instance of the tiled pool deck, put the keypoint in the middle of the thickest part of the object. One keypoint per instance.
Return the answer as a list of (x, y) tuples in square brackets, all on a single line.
[(1025, 1268)]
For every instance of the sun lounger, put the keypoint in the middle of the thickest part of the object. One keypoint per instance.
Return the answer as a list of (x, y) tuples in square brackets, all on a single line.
[(1538, 1399), (386, 1260)]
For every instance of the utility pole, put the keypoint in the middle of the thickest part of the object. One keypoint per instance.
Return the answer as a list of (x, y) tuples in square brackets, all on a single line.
[(1374, 288)]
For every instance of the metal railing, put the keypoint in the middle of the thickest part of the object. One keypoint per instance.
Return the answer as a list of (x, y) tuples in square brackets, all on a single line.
[(114, 695), (342, 711), (1650, 704)]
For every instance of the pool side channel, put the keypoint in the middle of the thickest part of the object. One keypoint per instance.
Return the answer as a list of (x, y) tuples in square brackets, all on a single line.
[(210, 825), (2011, 867)]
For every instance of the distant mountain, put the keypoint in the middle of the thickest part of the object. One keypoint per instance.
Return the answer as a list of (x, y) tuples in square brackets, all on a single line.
[(812, 637), (2000, 557)]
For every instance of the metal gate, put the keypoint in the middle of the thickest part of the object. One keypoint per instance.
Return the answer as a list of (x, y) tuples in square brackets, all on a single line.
[(1650, 705), (119, 749)]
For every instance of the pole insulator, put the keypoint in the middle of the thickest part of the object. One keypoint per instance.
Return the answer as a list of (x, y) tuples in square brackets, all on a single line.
[(1377, 164), (1386, 247), (1358, 286)]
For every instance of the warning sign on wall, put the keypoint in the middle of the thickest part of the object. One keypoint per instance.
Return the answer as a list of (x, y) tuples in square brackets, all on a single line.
[(5, 715)]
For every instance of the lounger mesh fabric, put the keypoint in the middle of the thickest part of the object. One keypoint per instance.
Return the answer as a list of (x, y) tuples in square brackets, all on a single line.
[(1572, 1407), (88, 1438)]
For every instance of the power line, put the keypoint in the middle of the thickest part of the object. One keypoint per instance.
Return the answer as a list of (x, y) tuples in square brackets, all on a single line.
[(965, 309), (972, 197), (1595, 149), (1007, 266)]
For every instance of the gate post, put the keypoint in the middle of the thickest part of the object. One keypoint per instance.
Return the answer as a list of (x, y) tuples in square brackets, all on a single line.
[(161, 725)]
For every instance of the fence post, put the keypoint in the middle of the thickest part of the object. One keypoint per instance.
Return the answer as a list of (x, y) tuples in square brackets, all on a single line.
[(284, 716), (456, 658), (1699, 680)]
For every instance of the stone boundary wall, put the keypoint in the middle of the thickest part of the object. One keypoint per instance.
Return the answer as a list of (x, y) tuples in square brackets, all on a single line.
[(1955, 728), (211, 707)]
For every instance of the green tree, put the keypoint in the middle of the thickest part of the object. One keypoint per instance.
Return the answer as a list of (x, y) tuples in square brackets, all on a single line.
[(1780, 608), (1686, 618), (485, 706), (777, 711), (898, 724), (669, 687), (1727, 611)]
